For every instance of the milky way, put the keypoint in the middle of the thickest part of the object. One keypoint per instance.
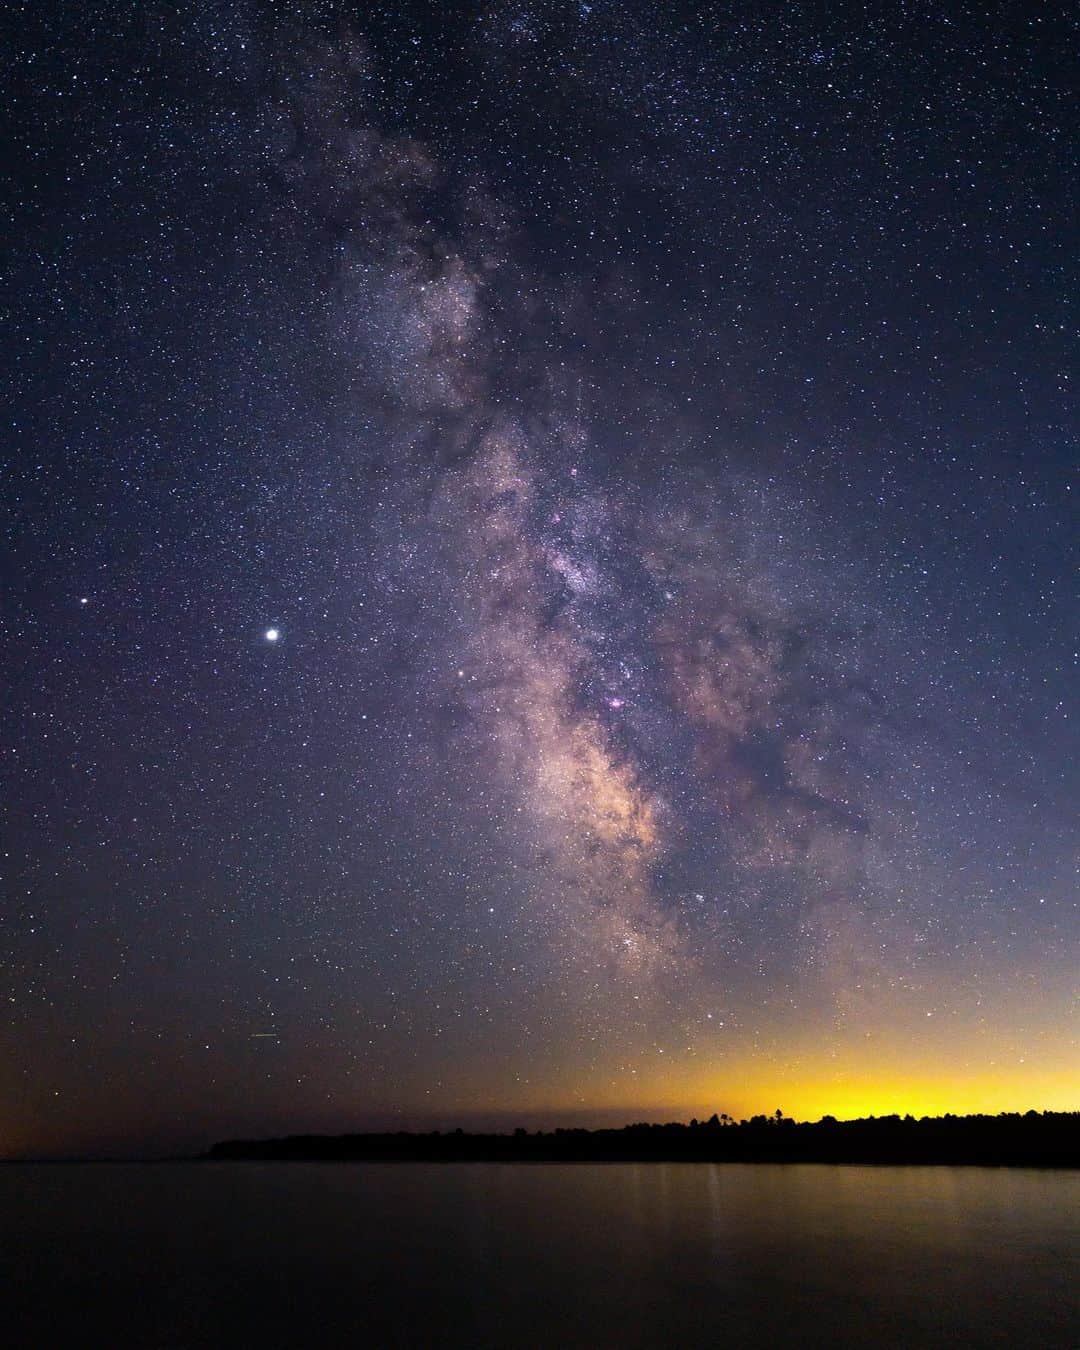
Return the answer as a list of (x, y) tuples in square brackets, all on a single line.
[(540, 573)]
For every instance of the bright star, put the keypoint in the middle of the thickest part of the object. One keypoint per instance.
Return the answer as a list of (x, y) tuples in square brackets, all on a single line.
[(272, 634)]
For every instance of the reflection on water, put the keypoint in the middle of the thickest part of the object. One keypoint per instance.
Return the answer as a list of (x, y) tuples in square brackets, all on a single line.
[(513, 1255)]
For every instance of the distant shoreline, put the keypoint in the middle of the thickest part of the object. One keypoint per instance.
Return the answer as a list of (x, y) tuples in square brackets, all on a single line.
[(1035, 1139)]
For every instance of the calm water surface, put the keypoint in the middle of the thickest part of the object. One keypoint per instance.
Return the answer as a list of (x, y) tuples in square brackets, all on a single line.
[(686, 1255)]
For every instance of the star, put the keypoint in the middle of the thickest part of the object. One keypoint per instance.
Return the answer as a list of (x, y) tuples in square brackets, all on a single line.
[(272, 634)]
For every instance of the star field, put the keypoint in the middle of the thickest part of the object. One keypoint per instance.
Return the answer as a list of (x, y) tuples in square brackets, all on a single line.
[(538, 556)]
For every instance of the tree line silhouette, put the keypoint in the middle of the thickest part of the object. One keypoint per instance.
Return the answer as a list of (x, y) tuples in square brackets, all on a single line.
[(1030, 1139)]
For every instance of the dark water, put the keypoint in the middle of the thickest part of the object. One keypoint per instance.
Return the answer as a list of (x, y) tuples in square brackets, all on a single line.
[(652, 1255)]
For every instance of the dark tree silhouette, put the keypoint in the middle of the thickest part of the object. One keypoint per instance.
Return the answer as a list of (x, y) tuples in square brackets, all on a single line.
[(1035, 1139)]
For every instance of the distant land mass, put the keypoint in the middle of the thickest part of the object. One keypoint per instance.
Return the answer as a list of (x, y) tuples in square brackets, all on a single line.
[(1012, 1139)]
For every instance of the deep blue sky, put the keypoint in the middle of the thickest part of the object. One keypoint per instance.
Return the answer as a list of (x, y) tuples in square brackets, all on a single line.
[(647, 431)]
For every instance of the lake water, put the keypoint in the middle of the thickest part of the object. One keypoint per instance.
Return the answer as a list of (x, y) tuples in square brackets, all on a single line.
[(307, 1255)]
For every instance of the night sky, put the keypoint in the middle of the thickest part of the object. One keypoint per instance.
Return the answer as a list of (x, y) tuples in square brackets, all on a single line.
[(537, 566)]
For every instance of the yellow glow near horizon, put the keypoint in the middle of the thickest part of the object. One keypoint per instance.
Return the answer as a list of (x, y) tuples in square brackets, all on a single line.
[(847, 1085)]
